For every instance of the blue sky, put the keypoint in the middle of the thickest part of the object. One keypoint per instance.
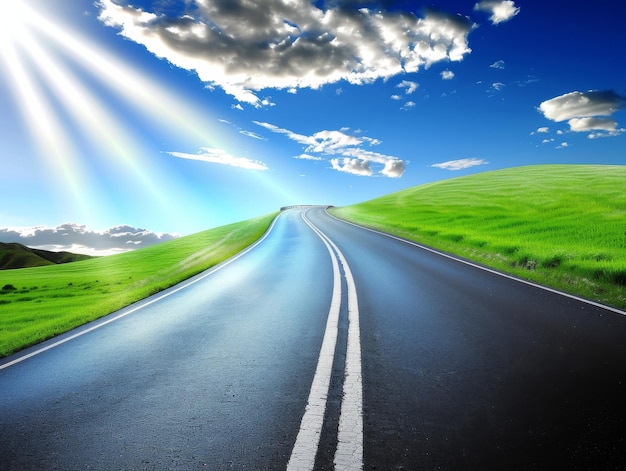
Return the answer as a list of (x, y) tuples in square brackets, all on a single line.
[(162, 117)]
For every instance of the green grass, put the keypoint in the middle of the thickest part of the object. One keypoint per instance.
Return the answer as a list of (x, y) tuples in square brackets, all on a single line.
[(41, 302), (563, 226)]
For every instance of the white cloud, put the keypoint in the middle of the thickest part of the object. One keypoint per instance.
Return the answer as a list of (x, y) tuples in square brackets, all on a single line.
[(586, 111), (220, 156), (579, 104), (77, 238), (497, 65), (307, 157), (563, 145), (543, 130), (460, 164), (246, 47), (409, 86), (396, 97), (251, 134), (447, 75), (501, 10), (353, 166), (408, 105), (356, 159), (497, 86), (592, 124)]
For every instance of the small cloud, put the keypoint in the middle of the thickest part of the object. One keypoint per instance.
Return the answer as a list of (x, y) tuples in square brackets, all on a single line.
[(547, 141), (396, 97), (501, 10), (590, 123), (219, 156), (460, 164), (447, 75), (409, 87), (237, 107), (307, 157), (339, 91), (408, 105), (543, 130), (353, 166), (497, 65), (252, 135), (563, 145), (497, 86)]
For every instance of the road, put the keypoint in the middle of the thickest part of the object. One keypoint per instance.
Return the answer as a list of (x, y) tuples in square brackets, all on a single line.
[(327, 346)]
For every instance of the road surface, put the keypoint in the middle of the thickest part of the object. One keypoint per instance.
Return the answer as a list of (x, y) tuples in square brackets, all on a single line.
[(327, 346)]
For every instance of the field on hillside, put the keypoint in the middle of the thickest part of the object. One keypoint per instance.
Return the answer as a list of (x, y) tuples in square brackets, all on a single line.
[(560, 225), (38, 303)]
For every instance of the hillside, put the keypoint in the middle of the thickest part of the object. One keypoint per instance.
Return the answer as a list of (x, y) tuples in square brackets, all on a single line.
[(14, 255), (559, 225)]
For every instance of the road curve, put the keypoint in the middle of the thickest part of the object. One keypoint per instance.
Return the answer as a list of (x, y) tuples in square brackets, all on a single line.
[(327, 346)]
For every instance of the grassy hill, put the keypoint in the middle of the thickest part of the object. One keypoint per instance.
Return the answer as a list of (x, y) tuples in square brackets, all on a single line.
[(560, 225), (38, 303), (14, 255)]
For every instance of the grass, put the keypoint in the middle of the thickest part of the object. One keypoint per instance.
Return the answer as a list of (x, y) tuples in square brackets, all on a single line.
[(562, 226), (41, 302)]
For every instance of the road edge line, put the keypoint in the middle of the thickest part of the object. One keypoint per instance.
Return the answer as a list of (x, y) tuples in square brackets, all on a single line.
[(126, 311), (484, 268)]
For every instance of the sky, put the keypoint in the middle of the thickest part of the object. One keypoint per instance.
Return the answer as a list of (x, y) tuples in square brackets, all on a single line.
[(127, 122)]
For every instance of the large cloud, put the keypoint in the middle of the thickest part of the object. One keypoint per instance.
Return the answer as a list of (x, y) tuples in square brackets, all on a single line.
[(78, 238), (586, 111), (353, 158), (244, 46)]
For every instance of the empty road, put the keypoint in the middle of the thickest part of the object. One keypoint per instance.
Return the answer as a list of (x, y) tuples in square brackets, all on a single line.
[(327, 346)]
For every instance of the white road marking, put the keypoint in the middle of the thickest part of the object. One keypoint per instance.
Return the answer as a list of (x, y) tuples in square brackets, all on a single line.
[(307, 441), (141, 304), (349, 452)]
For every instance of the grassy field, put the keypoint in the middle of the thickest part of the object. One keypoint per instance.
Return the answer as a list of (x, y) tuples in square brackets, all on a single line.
[(41, 302), (563, 226)]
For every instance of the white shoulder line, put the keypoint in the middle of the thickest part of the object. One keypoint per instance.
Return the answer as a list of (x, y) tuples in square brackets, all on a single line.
[(490, 270), (139, 305)]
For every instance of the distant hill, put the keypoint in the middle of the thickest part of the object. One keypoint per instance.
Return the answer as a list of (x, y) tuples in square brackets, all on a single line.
[(13, 255)]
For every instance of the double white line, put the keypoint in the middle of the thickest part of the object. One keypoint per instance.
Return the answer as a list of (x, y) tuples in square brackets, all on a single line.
[(349, 452)]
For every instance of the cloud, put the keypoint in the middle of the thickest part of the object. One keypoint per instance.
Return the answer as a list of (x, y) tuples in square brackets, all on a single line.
[(447, 75), (497, 86), (354, 158), (307, 157), (408, 105), (460, 164), (543, 129), (246, 47), (501, 11), (219, 156), (497, 65), (77, 238), (409, 86), (251, 134), (586, 111)]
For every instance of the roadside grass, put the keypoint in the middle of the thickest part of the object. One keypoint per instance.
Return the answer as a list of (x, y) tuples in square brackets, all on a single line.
[(41, 302), (562, 226)]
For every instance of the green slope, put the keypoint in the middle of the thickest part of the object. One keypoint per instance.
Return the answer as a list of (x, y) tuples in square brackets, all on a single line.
[(38, 303), (14, 255), (559, 225)]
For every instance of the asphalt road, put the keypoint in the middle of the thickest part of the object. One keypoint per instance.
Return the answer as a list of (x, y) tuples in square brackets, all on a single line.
[(327, 346)]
